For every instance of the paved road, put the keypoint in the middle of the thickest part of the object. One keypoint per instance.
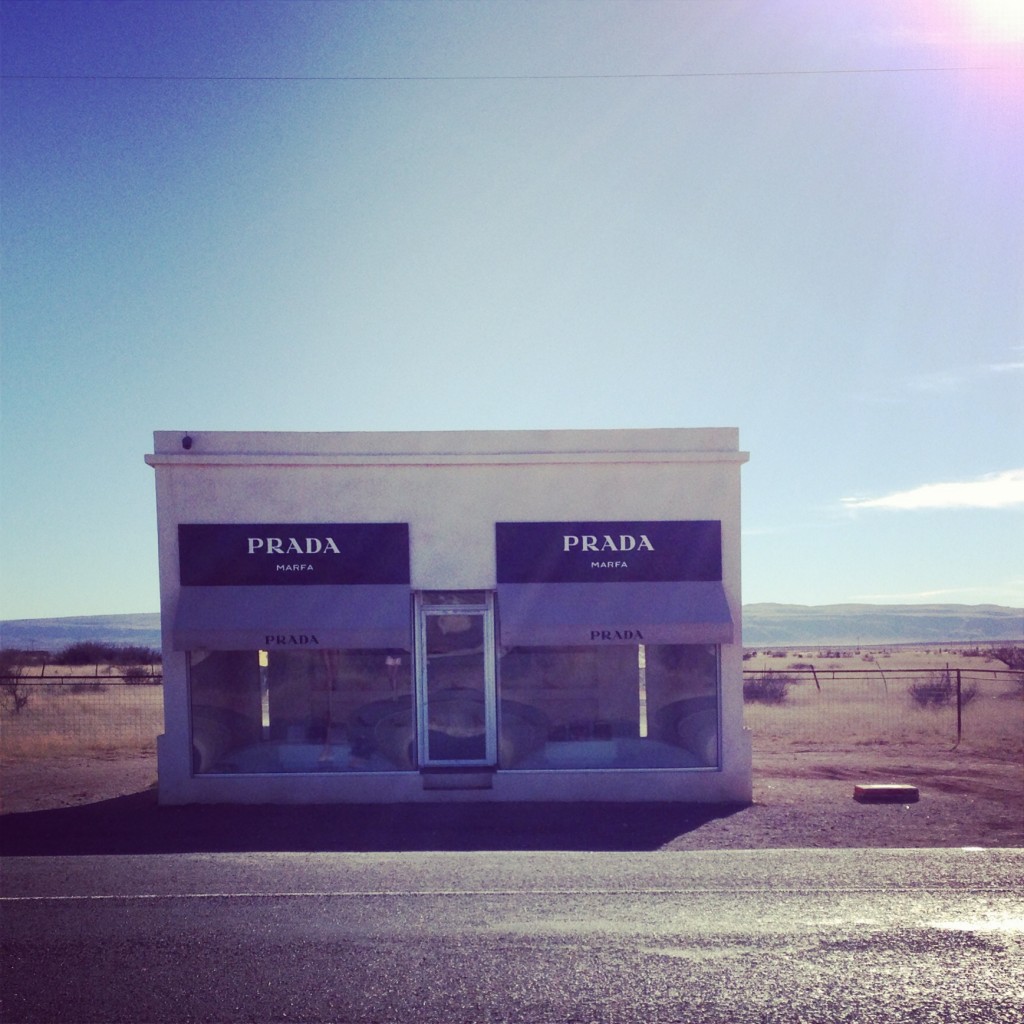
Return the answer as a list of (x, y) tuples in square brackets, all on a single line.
[(839, 935)]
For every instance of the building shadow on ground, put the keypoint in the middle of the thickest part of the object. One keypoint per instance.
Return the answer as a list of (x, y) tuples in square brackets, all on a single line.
[(136, 824)]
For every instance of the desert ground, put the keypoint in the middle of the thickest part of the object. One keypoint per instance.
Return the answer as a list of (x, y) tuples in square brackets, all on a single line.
[(845, 723)]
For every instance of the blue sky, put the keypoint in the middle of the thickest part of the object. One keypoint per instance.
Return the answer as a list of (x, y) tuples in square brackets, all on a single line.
[(802, 219)]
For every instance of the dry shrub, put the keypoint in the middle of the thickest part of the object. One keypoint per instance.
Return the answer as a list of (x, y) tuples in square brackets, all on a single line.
[(13, 692), (769, 688), (939, 691), (138, 675), (13, 696)]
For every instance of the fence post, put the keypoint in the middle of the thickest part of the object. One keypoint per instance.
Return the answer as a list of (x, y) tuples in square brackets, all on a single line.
[(959, 709)]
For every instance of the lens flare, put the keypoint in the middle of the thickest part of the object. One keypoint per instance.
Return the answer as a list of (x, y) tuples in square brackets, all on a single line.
[(995, 20)]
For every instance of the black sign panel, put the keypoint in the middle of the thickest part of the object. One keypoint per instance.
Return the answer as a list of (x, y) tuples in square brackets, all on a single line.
[(268, 554), (584, 552)]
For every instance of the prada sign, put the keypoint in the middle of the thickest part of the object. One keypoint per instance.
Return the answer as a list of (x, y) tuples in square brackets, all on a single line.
[(268, 554), (584, 552)]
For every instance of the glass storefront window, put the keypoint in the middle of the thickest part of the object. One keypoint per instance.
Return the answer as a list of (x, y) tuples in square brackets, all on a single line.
[(301, 711), (653, 706)]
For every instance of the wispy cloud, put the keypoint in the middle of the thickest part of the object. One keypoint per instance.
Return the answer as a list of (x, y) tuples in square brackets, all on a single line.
[(994, 490), (948, 381)]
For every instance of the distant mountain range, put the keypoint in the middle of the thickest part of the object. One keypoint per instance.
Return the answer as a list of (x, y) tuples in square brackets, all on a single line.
[(844, 625), (783, 625), (142, 630)]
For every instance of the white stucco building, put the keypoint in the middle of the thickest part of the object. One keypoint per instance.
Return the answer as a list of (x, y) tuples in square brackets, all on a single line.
[(408, 617)]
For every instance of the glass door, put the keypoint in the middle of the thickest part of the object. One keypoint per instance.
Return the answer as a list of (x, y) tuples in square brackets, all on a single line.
[(456, 720)]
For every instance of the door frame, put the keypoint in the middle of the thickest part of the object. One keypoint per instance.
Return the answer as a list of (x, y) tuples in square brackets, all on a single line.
[(424, 610)]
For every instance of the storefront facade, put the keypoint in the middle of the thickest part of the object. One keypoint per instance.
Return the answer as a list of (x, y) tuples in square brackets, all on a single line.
[(408, 617)]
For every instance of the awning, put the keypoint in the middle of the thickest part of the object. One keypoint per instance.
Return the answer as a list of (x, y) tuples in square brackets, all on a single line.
[(580, 614), (293, 617)]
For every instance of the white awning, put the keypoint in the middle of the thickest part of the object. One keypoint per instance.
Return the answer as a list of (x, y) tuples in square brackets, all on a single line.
[(581, 614), (258, 618)]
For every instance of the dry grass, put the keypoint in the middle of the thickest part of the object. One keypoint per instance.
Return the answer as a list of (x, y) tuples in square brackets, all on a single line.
[(94, 717), (927, 656), (862, 699), (101, 673), (848, 714)]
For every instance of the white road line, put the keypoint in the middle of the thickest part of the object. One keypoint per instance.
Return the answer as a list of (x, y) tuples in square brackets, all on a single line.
[(473, 893)]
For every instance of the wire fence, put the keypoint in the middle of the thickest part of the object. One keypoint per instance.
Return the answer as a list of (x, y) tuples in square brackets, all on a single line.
[(820, 707), (814, 708), (84, 715)]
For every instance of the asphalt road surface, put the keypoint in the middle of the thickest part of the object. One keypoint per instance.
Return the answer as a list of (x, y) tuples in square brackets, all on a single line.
[(767, 936)]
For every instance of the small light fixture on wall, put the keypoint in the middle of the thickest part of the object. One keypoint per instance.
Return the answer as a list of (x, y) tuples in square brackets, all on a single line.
[(186, 442)]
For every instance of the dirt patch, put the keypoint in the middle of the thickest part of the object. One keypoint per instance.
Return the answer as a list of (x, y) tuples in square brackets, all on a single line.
[(802, 799), (52, 783)]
